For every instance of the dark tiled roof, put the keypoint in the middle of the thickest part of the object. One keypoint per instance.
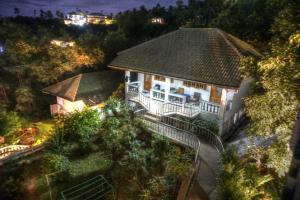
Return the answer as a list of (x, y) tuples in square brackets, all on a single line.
[(206, 55), (87, 85)]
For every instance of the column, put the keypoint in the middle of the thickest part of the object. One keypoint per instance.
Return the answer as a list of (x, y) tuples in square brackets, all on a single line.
[(222, 110), (127, 80), (167, 89)]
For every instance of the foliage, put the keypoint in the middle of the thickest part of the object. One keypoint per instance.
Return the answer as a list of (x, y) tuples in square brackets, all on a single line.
[(158, 188), (45, 129), (138, 155), (12, 188), (10, 123), (55, 163), (178, 164), (241, 179), (80, 126), (251, 19), (119, 94), (25, 101), (94, 162), (211, 125), (274, 99), (114, 42)]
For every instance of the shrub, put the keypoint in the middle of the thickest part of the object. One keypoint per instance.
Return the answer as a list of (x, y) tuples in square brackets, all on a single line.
[(10, 123), (55, 163), (12, 189), (119, 94), (240, 179), (80, 126)]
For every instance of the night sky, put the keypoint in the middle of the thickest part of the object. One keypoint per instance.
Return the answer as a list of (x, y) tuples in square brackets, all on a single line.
[(107, 6)]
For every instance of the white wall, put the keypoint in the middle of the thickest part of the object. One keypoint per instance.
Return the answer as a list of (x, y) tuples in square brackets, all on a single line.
[(205, 94), (141, 80), (70, 106), (237, 108)]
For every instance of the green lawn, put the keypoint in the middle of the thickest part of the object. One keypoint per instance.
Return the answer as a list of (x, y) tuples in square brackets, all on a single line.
[(32, 179)]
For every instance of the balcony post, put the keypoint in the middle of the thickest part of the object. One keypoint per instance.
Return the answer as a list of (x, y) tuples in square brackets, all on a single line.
[(167, 89), (222, 110), (127, 81)]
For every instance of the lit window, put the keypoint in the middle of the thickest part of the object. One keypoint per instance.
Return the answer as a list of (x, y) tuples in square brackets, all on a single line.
[(195, 85), (159, 78)]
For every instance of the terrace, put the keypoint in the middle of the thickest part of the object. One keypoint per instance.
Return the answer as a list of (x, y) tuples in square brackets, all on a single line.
[(171, 99)]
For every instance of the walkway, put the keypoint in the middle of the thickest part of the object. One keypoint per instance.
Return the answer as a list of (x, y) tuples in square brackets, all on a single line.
[(209, 158)]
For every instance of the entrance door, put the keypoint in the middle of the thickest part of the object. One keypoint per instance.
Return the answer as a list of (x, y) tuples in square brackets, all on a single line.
[(147, 82), (215, 94)]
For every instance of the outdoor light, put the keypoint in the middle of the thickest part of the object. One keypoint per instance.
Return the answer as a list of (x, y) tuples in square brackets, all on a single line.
[(1, 49)]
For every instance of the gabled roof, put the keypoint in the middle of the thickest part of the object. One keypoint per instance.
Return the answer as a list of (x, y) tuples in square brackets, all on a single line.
[(87, 85), (206, 55)]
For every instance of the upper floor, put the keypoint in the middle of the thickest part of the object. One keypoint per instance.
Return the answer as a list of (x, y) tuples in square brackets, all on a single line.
[(201, 97)]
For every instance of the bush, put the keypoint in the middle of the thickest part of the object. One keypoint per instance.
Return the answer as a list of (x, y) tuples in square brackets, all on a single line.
[(158, 188), (240, 179), (11, 188), (119, 94), (10, 123), (80, 126), (55, 163)]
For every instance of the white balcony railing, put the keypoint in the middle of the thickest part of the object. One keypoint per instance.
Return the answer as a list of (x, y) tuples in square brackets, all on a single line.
[(174, 103), (177, 98), (158, 94), (209, 107), (133, 87)]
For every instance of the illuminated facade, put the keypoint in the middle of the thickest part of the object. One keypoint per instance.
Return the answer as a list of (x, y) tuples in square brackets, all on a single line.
[(80, 91), (188, 72), (158, 20), (80, 19)]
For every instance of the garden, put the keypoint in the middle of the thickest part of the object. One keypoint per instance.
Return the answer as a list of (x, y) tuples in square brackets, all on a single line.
[(116, 144), (15, 129)]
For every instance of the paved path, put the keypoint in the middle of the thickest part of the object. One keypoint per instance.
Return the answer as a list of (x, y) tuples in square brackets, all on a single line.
[(208, 169)]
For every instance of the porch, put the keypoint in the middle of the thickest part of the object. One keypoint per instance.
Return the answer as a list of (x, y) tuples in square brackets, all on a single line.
[(160, 102)]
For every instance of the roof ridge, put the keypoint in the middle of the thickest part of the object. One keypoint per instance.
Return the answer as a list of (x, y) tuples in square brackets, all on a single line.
[(151, 40), (229, 43), (78, 85)]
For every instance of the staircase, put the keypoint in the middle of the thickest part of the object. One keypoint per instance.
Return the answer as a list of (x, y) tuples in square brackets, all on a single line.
[(207, 146)]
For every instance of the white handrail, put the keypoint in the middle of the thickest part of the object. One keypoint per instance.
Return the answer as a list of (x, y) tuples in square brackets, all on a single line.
[(180, 136), (8, 150)]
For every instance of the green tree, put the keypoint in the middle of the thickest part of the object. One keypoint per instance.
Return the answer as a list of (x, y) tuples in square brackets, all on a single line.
[(240, 179), (80, 126), (10, 123), (275, 98), (25, 101)]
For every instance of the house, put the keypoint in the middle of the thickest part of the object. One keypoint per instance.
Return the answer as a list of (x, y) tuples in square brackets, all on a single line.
[(95, 18), (98, 18), (88, 89), (81, 18), (76, 18), (158, 20), (188, 72)]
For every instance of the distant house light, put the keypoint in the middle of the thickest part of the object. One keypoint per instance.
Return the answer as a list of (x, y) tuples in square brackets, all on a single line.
[(1, 49), (62, 43), (76, 18), (158, 20)]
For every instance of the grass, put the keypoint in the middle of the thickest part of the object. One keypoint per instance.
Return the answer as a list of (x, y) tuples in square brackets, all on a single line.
[(95, 162), (33, 183), (44, 130)]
